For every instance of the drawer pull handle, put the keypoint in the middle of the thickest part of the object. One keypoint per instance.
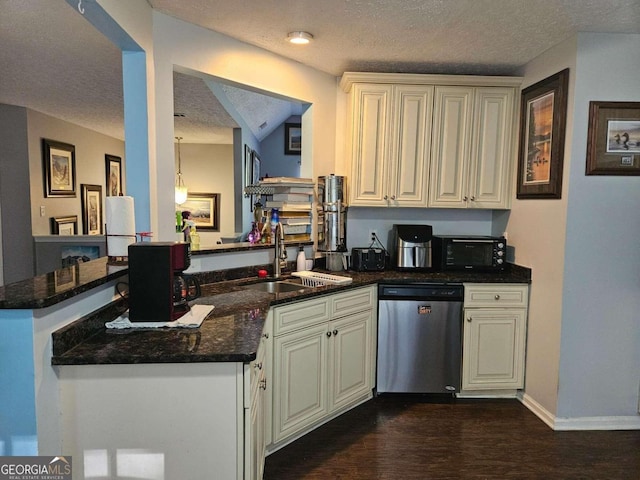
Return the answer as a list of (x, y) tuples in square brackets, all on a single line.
[(335, 332), (328, 334), (497, 297)]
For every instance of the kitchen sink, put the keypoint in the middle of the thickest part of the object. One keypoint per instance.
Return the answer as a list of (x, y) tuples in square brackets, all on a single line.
[(278, 286)]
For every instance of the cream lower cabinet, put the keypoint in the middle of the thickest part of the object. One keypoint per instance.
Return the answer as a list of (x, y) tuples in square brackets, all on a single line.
[(257, 393), (494, 334), (472, 147), (324, 364)]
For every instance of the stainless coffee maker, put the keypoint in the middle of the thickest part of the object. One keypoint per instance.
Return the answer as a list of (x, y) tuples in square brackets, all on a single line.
[(332, 229), (412, 247)]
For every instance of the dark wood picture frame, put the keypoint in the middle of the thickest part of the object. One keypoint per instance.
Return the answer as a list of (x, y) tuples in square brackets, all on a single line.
[(613, 139), (205, 210), (543, 118), (59, 168), (92, 216), (113, 176), (64, 225), (292, 138)]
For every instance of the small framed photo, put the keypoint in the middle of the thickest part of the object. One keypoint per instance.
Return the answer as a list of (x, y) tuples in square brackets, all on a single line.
[(65, 278), (64, 225), (59, 168), (91, 209), (205, 210), (113, 169), (613, 139), (248, 166), (255, 169), (543, 118), (292, 138)]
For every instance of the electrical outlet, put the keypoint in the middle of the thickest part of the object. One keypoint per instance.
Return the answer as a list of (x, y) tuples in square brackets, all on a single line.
[(42, 210), (372, 235)]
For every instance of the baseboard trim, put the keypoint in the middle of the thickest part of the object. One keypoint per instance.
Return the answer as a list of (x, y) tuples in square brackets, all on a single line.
[(631, 422)]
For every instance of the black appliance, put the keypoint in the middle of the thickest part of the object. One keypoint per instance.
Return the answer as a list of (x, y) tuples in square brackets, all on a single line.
[(411, 247), (368, 259), (158, 290), (470, 252)]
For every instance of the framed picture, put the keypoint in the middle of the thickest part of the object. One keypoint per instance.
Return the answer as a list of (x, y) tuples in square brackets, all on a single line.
[(65, 278), (205, 210), (613, 141), (255, 169), (75, 254), (113, 169), (248, 166), (59, 168), (543, 118), (64, 225), (91, 209), (292, 138)]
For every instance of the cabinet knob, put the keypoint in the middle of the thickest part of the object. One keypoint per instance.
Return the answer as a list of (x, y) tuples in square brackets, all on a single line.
[(497, 297), (335, 332), (258, 366), (473, 199), (469, 319), (393, 197), (263, 384), (265, 335), (328, 334), (465, 198), (386, 197)]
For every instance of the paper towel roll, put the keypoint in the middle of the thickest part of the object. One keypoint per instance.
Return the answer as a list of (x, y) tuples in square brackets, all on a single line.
[(121, 225)]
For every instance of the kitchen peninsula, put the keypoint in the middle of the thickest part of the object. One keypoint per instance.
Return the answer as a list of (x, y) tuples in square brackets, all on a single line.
[(174, 395)]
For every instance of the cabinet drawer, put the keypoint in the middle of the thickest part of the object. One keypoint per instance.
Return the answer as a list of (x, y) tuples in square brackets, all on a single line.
[(353, 301), (301, 314), (495, 295)]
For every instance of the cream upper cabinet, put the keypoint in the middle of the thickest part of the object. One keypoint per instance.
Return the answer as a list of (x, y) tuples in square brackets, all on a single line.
[(472, 147), (390, 144), (442, 141)]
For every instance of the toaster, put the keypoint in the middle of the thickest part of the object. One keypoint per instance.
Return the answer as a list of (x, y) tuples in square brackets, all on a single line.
[(368, 259)]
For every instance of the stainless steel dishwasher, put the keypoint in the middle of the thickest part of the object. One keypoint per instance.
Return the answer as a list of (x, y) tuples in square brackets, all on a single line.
[(419, 338)]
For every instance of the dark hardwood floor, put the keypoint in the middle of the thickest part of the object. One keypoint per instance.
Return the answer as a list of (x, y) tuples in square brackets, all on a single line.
[(409, 438)]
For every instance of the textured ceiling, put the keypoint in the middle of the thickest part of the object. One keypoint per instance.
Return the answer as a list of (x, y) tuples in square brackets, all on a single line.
[(53, 61)]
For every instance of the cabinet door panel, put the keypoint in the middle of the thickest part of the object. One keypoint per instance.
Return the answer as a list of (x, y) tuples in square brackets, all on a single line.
[(371, 111), (349, 376), (300, 376), (494, 342), (411, 148), (492, 156), (450, 147)]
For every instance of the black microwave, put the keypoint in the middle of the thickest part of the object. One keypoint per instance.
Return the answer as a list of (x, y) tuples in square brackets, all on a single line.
[(471, 252)]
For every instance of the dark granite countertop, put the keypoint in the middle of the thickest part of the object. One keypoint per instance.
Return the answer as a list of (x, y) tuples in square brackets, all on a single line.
[(231, 332), (54, 287)]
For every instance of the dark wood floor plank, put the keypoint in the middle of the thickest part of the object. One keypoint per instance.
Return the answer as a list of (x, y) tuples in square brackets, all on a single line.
[(416, 438)]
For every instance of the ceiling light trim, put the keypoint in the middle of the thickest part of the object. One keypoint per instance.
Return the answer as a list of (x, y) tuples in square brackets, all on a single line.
[(299, 37)]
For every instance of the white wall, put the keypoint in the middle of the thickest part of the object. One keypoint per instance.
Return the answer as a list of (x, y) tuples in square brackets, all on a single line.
[(600, 344), (209, 169), (536, 229)]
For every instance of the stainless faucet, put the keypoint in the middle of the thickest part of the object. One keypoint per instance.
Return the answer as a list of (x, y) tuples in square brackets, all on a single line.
[(280, 253)]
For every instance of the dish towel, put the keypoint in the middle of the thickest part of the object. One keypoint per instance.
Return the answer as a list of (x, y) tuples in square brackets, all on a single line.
[(192, 319)]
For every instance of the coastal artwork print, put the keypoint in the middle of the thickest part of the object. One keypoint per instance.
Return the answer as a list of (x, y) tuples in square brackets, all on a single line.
[(204, 209), (539, 138)]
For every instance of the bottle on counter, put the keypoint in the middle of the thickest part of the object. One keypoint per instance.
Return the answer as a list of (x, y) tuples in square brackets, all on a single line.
[(195, 239), (301, 261)]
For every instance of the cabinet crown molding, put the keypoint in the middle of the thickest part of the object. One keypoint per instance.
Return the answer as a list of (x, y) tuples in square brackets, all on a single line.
[(349, 78)]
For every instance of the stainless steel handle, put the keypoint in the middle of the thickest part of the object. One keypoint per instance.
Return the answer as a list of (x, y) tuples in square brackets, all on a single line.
[(335, 332), (328, 334), (497, 297)]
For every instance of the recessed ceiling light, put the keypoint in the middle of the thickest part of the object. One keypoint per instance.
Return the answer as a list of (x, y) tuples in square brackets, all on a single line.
[(299, 38)]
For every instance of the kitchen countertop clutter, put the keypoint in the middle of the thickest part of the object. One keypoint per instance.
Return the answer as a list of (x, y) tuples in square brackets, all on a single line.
[(231, 332)]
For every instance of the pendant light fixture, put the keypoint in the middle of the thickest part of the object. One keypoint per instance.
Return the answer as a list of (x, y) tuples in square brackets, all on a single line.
[(181, 189)]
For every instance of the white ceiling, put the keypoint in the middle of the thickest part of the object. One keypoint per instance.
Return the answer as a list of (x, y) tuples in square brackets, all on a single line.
[(53, 61)]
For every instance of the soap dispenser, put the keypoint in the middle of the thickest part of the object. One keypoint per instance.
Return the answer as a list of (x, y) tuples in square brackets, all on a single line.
[(301, 261)]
